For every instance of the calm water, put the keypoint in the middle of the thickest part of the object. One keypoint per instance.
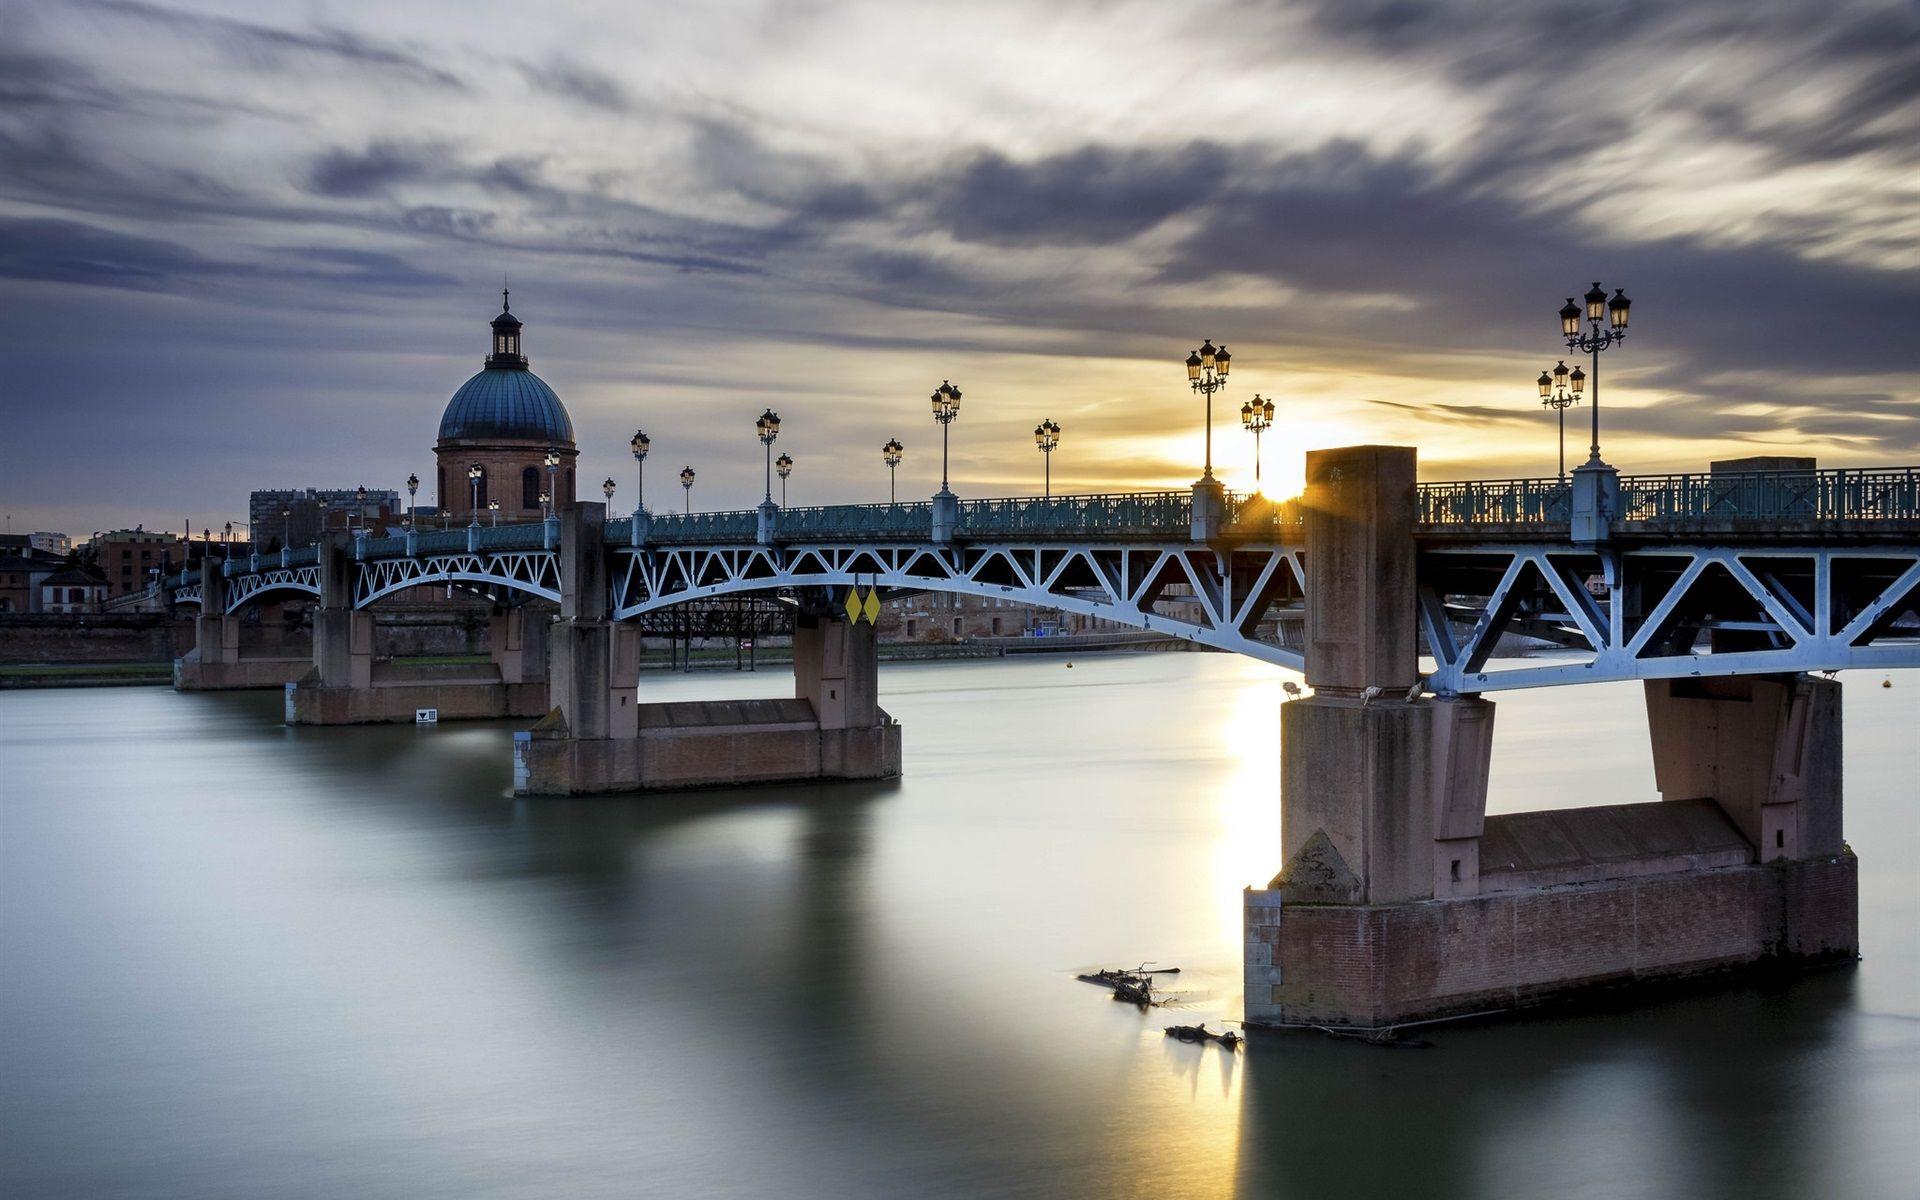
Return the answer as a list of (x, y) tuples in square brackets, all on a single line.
[(242, 961)]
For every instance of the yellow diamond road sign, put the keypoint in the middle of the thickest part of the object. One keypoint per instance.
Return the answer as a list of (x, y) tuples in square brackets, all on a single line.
[(853, 606), (873, 606)]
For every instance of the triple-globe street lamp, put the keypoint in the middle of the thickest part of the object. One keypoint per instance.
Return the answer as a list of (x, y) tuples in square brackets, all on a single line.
[(1256, 417), (1207, 370), (1595, 339), (890, 454), (493, 511), (1046, 438), (639, 444), (553, 479), (413, 487), (1560, 390), (946, 407), (473, 484), (783, 467), (767, 426), (686, 485)]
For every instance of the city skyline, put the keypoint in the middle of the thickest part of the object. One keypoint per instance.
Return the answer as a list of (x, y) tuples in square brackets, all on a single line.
[(258, 247)]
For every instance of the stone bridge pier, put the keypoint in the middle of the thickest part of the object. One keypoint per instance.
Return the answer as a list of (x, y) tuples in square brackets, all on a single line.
[(218, 661), (346, 684), (599, 737), (1399, 900)]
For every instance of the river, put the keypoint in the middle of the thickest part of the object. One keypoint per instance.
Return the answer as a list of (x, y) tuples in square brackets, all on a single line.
[(241, 960)]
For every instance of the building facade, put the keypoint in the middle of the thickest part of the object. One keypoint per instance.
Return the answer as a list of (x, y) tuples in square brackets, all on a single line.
[(125, 557), (72, 590), (504, 421), (297, 516)]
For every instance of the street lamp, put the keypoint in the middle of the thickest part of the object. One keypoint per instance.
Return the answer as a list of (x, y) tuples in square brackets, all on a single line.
[(768, 426), (286, 528), (1596, 339), (783, 467), (226, 542), (946, 407), (607, 489), (1207, 372), (360, 506), (446, 514), (493, 511), (1557, 395), (1046, 436), (640, 445), (1256, 417), (553, 478), (413, 486), (890, 454), (686, 483), (546, 513), (473, 480)]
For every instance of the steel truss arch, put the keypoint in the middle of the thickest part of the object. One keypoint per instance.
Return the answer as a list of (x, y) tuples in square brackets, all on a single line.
[(1233, 589), (534, 572), (245, 589)]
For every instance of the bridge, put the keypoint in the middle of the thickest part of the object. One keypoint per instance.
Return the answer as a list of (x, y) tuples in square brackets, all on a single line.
[(1719, 591)]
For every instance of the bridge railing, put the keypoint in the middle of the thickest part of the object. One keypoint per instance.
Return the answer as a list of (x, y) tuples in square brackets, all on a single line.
[(1113, 512), (527, 535), (911, 520), (683, 528), (1494, 502), (1843, 494)]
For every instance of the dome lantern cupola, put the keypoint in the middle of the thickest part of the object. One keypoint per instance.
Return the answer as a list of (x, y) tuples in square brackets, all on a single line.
[(506, 353)]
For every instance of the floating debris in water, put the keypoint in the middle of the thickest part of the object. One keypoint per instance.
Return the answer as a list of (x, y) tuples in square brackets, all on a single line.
[(1202, 1035)]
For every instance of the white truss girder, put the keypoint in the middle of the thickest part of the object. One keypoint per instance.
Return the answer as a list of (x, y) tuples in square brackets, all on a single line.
[(1116, 582), (243, 589), (534, 572), (1624, 639)]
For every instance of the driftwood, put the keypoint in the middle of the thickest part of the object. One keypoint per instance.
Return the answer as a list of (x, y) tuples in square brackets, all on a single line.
[(1203, 1035)]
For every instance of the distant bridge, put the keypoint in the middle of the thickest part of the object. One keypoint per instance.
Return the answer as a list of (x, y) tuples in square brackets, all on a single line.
[(1697, 574)]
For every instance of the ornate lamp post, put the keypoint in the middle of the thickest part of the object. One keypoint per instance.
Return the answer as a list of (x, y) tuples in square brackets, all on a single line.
[(360, 505), (553, 478), (1046, 436), (686, 484), (1557, 395), (640, 445), (606, 489), (413, 486), (286, 528), (546, 500), (1256, 417), (1207, 373), (768, 427), (473, 483), (946, 407), (446, 514), (493, 511), (1595, 339), (890, 454), (783, 467), (226, 542)]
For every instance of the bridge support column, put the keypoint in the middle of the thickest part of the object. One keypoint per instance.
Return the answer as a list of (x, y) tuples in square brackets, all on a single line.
[(216, 663), (1399, 900), (346, 683), (598, 738)]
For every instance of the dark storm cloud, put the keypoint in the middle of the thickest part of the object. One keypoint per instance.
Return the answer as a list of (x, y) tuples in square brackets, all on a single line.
[(70, 252), (374, 169), (571, 79), (1095, 194), (270, 48)]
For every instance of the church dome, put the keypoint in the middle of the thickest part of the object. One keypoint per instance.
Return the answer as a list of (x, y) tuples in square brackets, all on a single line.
[(506, 401)]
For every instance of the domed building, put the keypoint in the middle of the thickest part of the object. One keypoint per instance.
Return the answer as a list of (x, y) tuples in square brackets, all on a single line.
[(505, 420)]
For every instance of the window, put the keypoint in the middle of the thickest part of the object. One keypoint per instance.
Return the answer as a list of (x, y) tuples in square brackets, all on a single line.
[(996, 626), (530, 488), (912, 627), (956, 627)]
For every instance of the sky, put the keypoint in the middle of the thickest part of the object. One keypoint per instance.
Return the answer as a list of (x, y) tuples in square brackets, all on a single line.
[(252, 245)]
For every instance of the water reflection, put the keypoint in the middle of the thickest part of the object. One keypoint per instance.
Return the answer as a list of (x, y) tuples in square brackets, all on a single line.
[(247, 960)]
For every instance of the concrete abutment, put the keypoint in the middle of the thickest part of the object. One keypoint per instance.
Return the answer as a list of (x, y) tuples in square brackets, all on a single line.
[(1399, 900)]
